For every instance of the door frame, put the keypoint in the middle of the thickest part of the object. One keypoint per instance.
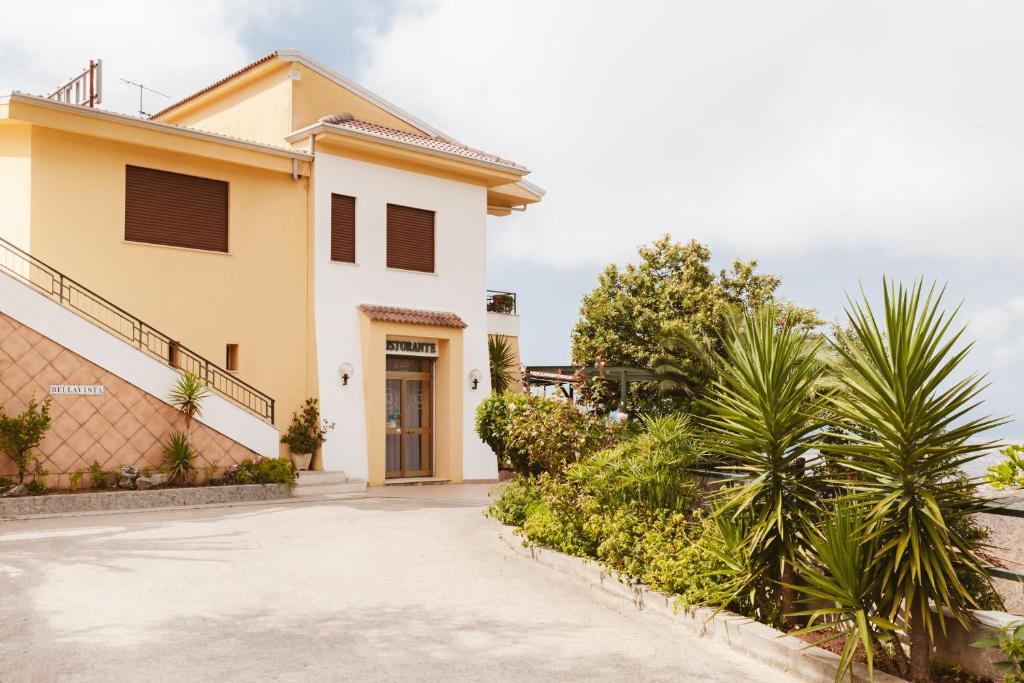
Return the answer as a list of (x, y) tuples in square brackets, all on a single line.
[(405, 376)]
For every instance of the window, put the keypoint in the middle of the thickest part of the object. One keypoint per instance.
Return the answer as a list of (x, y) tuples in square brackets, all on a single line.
[(174, 209), (231, 362), (343, 228), (410, 238)]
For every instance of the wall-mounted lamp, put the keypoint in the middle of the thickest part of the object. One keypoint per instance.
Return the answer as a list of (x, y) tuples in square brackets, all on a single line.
[(346, 371), (475, 377)]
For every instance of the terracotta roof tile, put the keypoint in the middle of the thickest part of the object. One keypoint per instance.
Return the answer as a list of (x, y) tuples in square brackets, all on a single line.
[(391, 314), (436, 143), (210, 87)]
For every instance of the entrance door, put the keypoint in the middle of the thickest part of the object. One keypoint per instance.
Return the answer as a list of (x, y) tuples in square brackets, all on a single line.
[(409, 436)]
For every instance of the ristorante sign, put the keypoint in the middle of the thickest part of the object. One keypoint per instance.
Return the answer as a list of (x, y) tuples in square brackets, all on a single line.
[(412, 347)]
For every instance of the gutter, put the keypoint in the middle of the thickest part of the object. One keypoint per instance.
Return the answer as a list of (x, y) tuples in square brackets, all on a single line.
[(320, 128), (37, 101)]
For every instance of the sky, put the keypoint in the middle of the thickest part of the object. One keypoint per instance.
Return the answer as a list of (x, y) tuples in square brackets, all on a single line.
[(833, 142)]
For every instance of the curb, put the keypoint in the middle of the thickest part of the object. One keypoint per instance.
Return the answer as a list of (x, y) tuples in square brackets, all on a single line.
[(758, 641), (112, 502)]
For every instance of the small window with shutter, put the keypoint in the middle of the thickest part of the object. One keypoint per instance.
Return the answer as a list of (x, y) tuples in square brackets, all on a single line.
[(410, 238), (174, 209), (343, 228)]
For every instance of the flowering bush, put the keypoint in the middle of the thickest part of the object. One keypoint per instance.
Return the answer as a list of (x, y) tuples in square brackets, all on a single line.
[(552, 434)]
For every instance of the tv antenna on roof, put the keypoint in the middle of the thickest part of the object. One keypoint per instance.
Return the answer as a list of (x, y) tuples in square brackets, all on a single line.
[(142, 88)]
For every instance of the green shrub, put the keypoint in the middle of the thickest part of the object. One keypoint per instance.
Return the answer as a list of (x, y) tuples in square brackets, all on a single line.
[(558, 516), (1009, 474), (515, 499), (552, 433), (1010, 641), (262, 471), (307, 430), (493, 422), (649, 468), (179, 459), (20, 434), (661, 549)]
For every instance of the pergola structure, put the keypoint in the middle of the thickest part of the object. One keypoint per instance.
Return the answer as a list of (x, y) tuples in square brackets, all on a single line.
[(566, 377)]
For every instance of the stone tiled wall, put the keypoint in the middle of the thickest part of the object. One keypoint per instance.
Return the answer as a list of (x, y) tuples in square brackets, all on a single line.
[(124, 426)]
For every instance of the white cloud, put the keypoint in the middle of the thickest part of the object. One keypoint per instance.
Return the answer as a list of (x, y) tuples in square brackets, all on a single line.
[(780, 127), (1001, 329), (175, 48)]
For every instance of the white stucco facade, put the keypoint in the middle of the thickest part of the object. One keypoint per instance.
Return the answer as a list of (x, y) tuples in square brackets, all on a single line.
[(458, 286)]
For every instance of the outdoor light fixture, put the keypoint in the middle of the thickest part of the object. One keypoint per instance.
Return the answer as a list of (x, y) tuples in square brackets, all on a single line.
[(474, 377), (346, 371)]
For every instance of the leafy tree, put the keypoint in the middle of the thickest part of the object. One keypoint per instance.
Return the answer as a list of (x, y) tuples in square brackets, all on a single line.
[(19, 434), (623, 320)]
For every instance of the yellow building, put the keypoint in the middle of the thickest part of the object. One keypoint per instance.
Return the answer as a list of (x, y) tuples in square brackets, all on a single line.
[(295, 230)]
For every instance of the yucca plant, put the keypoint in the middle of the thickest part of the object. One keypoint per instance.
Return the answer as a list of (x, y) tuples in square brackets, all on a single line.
[(179, 459), (187, 395), (502, 359), (836, 570), (764, 409), (909, 431)]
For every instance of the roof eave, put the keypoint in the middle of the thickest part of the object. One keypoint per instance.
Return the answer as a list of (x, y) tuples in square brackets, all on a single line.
[(34, 101), (330, 129)]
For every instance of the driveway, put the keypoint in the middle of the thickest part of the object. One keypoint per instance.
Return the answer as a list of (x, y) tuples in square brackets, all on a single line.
[(367, 589)]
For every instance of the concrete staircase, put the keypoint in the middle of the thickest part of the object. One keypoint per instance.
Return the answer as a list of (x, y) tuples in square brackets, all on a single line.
[(312, 483)]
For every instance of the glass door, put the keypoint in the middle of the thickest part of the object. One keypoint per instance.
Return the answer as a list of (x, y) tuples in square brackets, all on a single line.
[(408, 433)]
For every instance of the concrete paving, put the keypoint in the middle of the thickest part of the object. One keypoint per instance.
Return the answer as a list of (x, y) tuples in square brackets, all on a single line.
[(414, 586)]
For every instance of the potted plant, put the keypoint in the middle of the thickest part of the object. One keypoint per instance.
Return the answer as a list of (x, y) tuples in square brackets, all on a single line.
[(306, 433)]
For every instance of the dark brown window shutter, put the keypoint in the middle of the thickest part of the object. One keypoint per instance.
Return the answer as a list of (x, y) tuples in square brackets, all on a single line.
[(410, 238), (343, 228), (174, 209)]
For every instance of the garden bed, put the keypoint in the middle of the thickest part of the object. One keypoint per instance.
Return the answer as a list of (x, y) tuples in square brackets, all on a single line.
[(756, 640), (62, 503)]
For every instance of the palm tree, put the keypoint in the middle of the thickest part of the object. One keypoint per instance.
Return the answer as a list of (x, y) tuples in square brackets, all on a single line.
[(908, 434), (502, 361), (187, 396), (765, 408)]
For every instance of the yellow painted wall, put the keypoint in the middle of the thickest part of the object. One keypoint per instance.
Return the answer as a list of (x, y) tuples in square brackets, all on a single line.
[(255, 296), (259, 109), (15, 183), (267, 105), (448, 387), (316, 96)]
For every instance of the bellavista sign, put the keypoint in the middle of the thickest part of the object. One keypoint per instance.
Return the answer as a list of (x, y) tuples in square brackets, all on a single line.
[(412, 347), (78, 389)]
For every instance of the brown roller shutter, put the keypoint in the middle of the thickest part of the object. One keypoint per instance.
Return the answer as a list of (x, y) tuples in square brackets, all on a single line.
[(343, 228), (410, 238), (174, 209)]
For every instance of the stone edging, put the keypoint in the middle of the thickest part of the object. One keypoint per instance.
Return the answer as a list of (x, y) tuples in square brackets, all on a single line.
[(112, 501), (758, 641)]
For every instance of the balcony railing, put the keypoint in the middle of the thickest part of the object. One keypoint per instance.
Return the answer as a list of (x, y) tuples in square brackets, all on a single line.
[(115, 320), (501, 302)]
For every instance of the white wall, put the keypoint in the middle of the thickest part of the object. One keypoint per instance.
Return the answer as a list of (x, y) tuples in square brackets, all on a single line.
[(503, 324), (457, 286), (50, 319)]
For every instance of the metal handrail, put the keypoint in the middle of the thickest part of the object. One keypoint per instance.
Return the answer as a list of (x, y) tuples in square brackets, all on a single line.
[(501, 302), (80, 299), (992, 507)]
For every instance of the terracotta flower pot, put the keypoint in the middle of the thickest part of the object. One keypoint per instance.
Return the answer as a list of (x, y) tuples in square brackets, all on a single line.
[(302, 460)]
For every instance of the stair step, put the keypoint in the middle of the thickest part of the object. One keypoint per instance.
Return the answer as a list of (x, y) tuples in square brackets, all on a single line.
[(312, 478), (350, 486)]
